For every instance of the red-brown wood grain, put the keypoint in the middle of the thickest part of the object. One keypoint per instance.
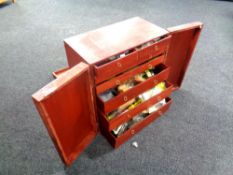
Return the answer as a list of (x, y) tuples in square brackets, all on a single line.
[(183, 42), (158, 47), (60, 72), (122, 98), (122, 118), (117, 141), (68, 104), (67, 110), (129, 74), (119, 65), (98, 45)]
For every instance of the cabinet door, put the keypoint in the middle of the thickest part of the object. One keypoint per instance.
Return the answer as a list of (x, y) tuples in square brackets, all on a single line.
[(182, 45), (67, 108)]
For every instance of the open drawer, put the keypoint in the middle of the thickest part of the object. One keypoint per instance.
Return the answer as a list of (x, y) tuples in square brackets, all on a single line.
[(106, 106), (127, 75), (124, 116), (116, 141), (133, 57)]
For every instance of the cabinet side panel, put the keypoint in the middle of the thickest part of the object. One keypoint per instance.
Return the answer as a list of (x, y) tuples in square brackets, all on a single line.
[(73, 57)]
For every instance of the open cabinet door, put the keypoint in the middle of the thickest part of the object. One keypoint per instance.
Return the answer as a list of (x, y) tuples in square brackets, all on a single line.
[(67, 108), (183, 42)]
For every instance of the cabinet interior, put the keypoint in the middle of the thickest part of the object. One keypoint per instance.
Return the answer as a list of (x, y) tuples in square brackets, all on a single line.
[(145, 96), (129, 51), (130, 83), (118, 131)]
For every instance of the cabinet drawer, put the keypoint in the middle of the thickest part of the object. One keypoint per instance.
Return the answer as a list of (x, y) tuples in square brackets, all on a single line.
[(123, 77), (125, 116), (117, 66), (117, 141), (122, 98), (154, 49)]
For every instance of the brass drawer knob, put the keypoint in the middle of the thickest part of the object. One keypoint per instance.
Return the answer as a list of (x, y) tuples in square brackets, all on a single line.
[(156, 48), (132, 131), (159, 98), (125, 98), (128, 116), (160, 112), (150, 66), (119, 64), (117, 82)]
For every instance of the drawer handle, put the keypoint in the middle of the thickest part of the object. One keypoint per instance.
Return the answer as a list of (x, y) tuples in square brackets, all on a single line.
[(155, 81), (125, 98), (128, 116), (159, 98), (150, 66), (156, 48), (119, 64), (118, 82), (160, 112), (132, 131)]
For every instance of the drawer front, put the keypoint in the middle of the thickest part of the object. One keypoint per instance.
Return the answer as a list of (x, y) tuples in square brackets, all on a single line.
[(154, 49), (127, 75), (117, 141), (122, 98), (125, 116), (115, 67)]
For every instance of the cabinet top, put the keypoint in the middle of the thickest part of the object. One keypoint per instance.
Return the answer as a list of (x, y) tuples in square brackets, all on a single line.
[(99, 44)]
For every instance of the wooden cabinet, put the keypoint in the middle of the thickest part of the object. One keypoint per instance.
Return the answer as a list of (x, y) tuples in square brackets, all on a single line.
[(71, 106)]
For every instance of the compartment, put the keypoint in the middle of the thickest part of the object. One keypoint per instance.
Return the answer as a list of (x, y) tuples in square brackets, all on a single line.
[(121, 115), (130, 58), (114, 99), (127, 75), (130, 132)]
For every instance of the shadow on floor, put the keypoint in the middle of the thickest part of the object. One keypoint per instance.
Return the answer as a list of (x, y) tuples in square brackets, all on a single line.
[(98, 148), (5, 4)]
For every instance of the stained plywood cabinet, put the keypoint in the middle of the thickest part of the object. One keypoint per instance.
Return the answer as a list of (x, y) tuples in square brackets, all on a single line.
[(71, 106)]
